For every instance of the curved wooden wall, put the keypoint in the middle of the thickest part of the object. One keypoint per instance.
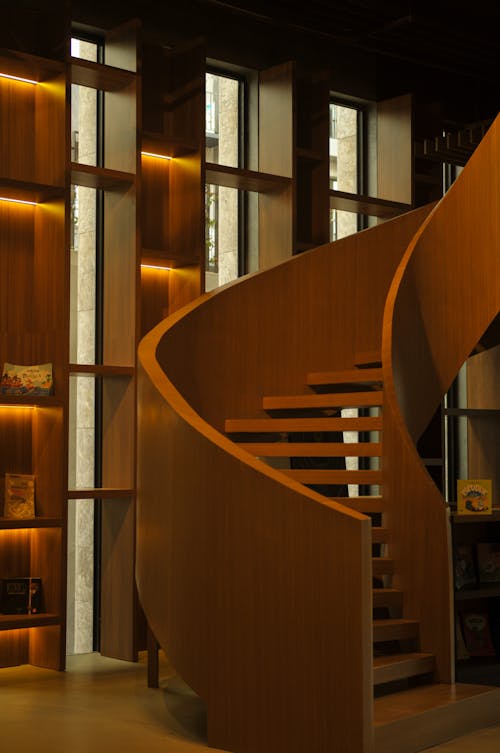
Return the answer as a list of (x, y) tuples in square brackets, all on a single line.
[(444, 295), (259, 589)]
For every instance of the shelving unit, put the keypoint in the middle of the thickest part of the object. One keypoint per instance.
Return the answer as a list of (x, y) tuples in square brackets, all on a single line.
[(35, 175), (34, 329), (480, 415)]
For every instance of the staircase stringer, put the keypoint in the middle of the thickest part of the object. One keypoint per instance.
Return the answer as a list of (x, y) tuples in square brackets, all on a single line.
[(445, 293)]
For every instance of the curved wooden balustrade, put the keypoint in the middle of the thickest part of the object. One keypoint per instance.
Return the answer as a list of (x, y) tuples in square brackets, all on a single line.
[(444, 295), (259, 589)]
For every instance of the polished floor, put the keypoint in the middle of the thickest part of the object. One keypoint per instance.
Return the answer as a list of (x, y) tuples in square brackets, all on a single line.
[(102, 705)]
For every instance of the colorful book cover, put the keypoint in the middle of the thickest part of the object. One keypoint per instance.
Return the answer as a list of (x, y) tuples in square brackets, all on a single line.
[(19, 496), (477, 634), (488, 562), (464, 566), (474, 497), (26, 380)]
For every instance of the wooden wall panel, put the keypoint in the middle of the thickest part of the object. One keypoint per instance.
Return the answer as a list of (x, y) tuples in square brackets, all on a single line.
[(17, 124), (120, 278), (483, 435), (50, 131), (117, 580), (395, 149)]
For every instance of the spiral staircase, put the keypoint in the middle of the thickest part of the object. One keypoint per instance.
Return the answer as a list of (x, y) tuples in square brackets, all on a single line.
[(309, 622)]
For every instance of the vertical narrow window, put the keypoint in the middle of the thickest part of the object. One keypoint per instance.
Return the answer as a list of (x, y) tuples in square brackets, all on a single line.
[(223, 205), (84, 343), (345, 163)]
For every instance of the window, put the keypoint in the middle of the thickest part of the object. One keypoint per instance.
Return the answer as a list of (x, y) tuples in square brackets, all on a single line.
[(223, 206), (346, 163), (84, 349)]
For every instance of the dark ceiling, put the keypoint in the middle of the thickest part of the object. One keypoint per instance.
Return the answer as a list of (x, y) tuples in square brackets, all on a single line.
[(460, 39)]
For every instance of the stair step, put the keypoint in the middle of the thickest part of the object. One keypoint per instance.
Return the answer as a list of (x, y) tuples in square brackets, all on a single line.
[(401, 666), (394, 630), (368, 358), (325, 476), (380, 535), (313, 449), (324, 400), (373, 503), (421, 717), (279, 425), (355, 377), (387, 597), (382, 566)]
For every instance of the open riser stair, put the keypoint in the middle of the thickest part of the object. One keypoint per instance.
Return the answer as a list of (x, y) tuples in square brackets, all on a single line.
[(308, 433)]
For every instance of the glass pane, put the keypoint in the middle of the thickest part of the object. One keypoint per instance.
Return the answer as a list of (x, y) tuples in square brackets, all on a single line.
[(83, 275), (83, 125), (342, 223), (344, 148), (221, 235), (222, 119), (84, 50)]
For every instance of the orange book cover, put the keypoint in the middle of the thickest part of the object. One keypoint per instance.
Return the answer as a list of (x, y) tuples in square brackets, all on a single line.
[(474, 497)]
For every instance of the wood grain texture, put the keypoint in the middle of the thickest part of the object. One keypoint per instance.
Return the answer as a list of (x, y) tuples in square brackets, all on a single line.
[(117, 580), (305, 305), (243, 605), (432, 321), (243, 577), (395, 149)]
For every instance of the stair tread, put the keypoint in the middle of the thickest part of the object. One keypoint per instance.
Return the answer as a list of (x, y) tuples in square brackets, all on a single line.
[(391, 659), (402, 666), (374, 503), (382, 565), (394, 629), (313, 449), (348, 376), (384, 597), (324, 400), (380, 534), (419, 700), (325, 476), (249, 425)]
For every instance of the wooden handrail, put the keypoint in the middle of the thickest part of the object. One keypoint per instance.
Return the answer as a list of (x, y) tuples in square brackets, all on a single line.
[(259, 589), (445, 293)]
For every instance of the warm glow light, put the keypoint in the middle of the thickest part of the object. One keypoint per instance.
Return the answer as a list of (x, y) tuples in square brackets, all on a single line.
[(18, 201), (18, 78), (152, 154), (156, 266), (18, 407)]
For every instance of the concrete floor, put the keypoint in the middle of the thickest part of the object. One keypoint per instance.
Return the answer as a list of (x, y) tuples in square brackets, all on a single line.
[(102, 705)]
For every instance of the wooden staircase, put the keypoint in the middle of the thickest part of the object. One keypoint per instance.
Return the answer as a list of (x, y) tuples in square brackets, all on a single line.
[(398, 661), (306, 622)]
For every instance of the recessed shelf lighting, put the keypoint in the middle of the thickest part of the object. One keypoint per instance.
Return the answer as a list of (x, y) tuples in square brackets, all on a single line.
[(156, 266), (18, 78), (18, 201), (157, 156)]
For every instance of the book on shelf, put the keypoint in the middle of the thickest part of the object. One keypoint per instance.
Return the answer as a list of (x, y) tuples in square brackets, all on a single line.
[(464, 566), (26, 380), (488, 562), (477, 634), (461, 648), (474, 497), (19, 496), (20, 595)]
